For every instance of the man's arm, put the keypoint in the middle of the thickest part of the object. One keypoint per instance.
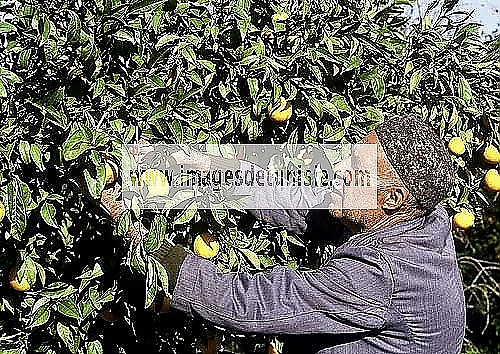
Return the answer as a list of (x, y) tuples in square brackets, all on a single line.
[(350, 294), (277, 203)]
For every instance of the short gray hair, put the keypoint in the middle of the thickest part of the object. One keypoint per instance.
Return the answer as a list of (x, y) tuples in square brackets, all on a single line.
[(419, 157)]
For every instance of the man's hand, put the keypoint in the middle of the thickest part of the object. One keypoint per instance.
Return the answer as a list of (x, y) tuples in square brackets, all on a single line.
[(195, 159)]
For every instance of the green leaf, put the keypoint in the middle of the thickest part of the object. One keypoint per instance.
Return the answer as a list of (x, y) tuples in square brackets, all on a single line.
[(3, 90), (24, 58), (207, 64), (28, 270), (117, 88), (95, 185), (251, 256), (58, 290), (253, 130), (189, 54), (414, 80), (187, 214), (88, 275), (176, 129), (378, 86), (48, 211), (24, 150), (317, 73), (161, 272), (26, 195), (253, 85), (144, 6), (75, 27), (409, 67), (218, 214), (16, 210), (6, 27), (340, 103), (65, 334), (9, 76), (330, 108), (94, 347), (67, 307), (156, 235), (295, 240), (150, 284), (374, 114), (316, 106), (123, 225), (223, 90), (333, 134), (193, 76), (41, 273), (45, 30), (36, 155), (167, 38), (464, 90), (249, 59), (125, 36), (98, 87), (178, 198), (137, 260), (354, 62), (311, 131), (243, 26), (40, 316), (75, 145), (453, 118)]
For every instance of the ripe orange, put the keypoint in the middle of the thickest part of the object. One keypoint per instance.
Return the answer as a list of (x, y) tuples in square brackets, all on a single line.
[(111, 172), (491, 155), (2, 211), (280, 112), (492, 180), (21, 285), (206, 246), (456, 145), (464, 219)]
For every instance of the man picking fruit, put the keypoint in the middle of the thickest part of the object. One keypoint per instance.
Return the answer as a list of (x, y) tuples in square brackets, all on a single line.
[(393, 287)]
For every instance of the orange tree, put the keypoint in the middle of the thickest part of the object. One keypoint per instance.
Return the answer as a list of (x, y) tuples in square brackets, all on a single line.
[(78, 79)]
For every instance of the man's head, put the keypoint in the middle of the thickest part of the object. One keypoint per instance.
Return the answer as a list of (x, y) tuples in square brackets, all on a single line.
[(414, 173)]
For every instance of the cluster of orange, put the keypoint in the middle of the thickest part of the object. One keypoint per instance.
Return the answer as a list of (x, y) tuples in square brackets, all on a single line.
[(465, 218)]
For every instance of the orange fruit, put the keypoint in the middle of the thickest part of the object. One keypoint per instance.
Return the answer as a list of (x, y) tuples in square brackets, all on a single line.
[(206, 246), (491, 155), (111, 172), (280, 112), (456, 145), (18, 284), (492, 180), (464, 219), (2, 211)]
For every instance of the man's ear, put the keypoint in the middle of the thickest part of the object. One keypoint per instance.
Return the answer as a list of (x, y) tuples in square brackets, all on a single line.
[(394, 198)]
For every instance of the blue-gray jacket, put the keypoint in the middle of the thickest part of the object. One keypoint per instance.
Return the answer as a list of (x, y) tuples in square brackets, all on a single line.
[(397, 290)]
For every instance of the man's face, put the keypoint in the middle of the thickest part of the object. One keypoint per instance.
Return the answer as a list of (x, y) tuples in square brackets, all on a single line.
[(364, 217)]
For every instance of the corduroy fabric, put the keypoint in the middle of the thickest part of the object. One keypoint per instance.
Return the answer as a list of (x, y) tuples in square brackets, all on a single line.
[(396, 290)]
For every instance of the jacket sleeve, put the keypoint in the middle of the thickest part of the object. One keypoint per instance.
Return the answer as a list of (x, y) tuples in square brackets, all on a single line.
[(350, 294), (277, 204)]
